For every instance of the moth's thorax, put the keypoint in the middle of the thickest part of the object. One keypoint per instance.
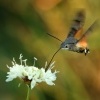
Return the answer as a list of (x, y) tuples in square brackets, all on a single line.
[(68, 42), (78, 49)]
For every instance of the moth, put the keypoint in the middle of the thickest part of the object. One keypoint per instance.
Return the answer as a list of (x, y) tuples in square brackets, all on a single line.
[(71, 43)]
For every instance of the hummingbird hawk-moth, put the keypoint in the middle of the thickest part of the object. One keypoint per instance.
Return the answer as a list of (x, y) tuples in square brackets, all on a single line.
[(71, 43)]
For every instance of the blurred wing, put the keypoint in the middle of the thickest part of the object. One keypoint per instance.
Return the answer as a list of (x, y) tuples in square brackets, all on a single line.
[(77, 23), (89, 30)]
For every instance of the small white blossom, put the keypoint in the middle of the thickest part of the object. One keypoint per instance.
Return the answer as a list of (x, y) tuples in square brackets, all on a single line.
[(48, 76), (31, 75), (15, 71)]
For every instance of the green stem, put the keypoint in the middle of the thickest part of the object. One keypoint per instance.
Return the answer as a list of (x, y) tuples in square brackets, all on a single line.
[(28, 91)]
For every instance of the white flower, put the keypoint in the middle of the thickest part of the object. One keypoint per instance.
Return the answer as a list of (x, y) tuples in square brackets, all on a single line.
[(31, 75), (15, 71), (48, 76)]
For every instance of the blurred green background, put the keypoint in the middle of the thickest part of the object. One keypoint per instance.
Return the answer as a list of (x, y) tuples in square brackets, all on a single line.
[(23, 28)]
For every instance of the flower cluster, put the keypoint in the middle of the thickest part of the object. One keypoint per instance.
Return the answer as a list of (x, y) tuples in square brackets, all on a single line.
[(31, 75)]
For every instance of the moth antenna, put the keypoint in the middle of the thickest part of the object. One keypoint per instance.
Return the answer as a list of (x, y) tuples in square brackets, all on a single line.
[(54, 37), (51, 60)]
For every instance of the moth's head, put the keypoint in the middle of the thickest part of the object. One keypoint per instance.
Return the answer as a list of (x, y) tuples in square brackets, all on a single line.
[(65, 46)]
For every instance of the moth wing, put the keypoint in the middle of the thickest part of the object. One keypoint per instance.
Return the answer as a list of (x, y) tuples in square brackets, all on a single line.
[(89, 30), (77, 23), (83, 41)]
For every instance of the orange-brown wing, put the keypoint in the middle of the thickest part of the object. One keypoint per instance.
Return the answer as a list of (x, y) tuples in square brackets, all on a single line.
[(77, 23), (82, 41), (79, 33)]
